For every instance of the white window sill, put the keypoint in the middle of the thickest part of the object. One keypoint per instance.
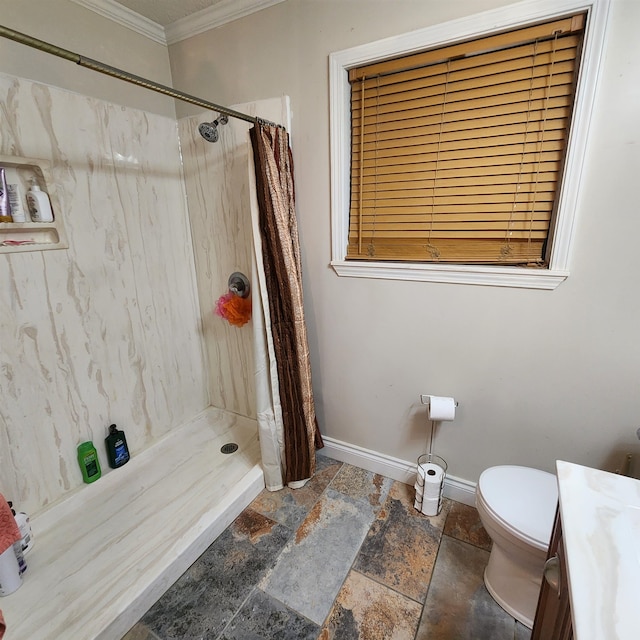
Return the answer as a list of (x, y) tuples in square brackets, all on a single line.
[(453, 274)]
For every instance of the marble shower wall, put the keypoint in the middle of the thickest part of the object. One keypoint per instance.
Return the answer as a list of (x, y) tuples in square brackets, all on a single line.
[(108, 330), (217, 183)]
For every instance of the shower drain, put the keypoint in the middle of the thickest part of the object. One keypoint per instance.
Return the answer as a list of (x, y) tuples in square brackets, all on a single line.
[(230, 447)]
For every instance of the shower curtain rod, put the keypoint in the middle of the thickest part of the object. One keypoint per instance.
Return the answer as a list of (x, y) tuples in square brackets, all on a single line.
[(100, 67)]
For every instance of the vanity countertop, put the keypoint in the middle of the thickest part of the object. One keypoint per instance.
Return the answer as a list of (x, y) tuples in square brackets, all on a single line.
[(601, 527)]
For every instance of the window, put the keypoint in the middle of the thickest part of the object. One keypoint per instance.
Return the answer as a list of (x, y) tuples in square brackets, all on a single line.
[(469, 163), (462, 149)]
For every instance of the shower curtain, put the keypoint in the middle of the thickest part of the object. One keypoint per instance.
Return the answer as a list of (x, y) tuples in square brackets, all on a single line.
[(289, 433)]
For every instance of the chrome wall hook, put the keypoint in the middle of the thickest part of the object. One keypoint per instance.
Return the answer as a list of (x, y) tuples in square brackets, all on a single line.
[(239, 284)]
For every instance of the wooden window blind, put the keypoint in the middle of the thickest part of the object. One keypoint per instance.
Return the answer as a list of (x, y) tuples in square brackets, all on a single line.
[(457, 152)]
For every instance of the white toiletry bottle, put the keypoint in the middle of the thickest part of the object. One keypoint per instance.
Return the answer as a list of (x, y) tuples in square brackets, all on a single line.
[(24, 525), (10, 576), (39, 204), (14, 189)]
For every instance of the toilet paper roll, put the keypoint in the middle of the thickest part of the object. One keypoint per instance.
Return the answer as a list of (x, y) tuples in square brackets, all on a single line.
[(441, 409), (422, 470), (433, 477), (430, 506)]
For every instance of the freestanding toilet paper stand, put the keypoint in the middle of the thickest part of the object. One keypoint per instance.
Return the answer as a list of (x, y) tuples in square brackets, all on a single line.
[(432, 469)]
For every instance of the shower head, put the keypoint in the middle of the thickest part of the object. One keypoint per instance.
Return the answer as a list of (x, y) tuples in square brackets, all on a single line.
[(209, 130)]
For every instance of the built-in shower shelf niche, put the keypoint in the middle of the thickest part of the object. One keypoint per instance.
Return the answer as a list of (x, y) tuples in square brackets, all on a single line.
[(37, 236)]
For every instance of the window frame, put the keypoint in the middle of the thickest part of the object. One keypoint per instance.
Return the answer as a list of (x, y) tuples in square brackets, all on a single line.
[(474, 26)]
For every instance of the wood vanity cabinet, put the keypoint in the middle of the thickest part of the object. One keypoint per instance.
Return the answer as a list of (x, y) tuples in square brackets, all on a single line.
[(553, 614)]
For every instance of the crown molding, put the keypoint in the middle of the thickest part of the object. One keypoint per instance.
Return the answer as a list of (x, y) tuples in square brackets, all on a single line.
[(126, 17), (215, 16)]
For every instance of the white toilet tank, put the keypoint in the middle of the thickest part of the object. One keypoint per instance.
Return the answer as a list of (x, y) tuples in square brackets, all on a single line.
[(522, 499)]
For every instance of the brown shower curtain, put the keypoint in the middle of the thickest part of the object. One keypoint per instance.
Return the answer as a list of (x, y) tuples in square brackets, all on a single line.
[(283, 273)]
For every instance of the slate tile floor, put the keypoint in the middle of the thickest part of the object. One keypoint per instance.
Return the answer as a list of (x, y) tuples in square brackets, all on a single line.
[(347, 557)]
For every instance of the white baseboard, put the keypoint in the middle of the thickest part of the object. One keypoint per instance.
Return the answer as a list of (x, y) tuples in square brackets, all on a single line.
[(456, 489)]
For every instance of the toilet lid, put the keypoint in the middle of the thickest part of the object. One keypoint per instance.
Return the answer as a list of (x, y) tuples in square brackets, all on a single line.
[(524, 499)]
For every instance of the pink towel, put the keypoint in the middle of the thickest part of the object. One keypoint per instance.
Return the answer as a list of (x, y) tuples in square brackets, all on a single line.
[(9, 532)]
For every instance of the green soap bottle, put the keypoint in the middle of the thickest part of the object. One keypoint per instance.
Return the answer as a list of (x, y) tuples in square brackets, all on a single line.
[(88, 461)]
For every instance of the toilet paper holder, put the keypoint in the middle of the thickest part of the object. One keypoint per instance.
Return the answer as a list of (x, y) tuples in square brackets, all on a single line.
[(439, 408), (426, 399), (431, 505)]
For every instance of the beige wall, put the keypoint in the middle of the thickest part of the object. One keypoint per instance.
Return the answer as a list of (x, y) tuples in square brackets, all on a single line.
[(72, 27), (539, 375)]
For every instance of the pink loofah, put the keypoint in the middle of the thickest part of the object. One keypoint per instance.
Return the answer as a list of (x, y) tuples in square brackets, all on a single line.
[(234, 309), (221, 303)]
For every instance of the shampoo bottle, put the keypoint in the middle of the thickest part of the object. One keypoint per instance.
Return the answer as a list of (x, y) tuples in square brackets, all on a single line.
[(24, 525), (117, 450), (17, 547), (5, 206), (26, 537), (39, 204), (22, 563), (16, 199), (10, 576), (88, 461)]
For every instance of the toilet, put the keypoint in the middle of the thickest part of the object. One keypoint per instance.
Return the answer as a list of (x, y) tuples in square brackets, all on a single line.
[(517, 507)]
